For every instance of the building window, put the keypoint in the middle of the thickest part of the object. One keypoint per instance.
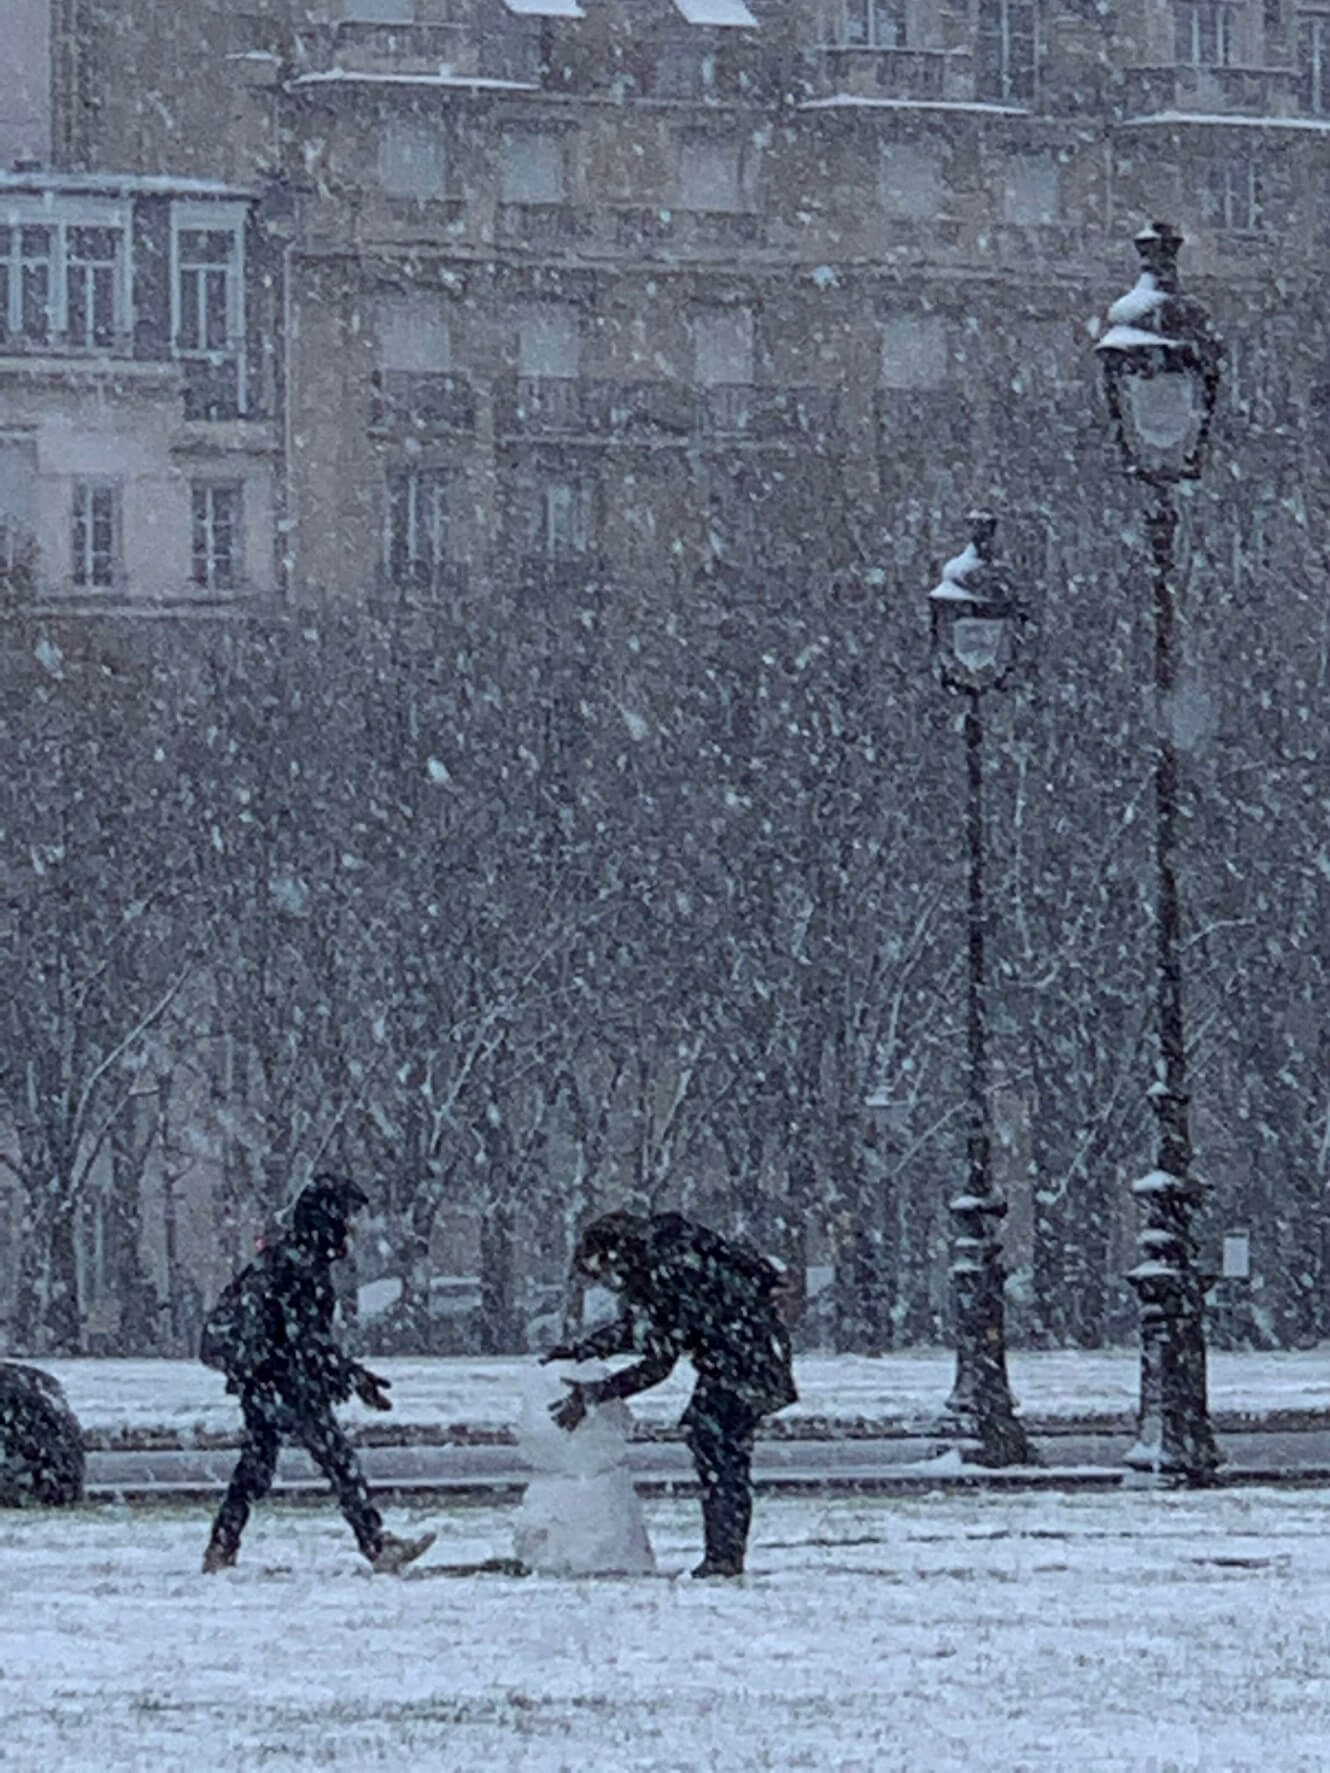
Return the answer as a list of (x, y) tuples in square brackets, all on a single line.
[(1204, 34), (95, 534), (531, 167), (709, 175), (415, 538), (915, 352), (684, 70), (549, 342), (1031, 191), (375, 12), (723, 363), (26, 283), (565, 517), (910, 181), (1314, 63), (723, 347), (206, 261), (217, 534), (412, 160), (208, 309), (1231, 196), (1005, 51), (92, 277), (413, 333), (18, 510), (872, 24), (62, 283)]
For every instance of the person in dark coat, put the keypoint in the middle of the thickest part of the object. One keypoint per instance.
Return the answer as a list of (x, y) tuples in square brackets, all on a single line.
[(271, 1333), (687, 1291)]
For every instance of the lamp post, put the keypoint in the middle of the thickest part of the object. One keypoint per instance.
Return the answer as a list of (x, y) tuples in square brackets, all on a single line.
[(1161, 360), (976, 633)]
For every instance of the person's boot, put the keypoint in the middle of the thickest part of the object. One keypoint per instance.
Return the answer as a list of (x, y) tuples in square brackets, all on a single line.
[(720, 1558), (713, 1565), (220, 1555), (393, 1554)]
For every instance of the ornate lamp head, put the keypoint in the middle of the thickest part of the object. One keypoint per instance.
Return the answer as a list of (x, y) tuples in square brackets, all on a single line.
[(977, 624), (1162, 360)]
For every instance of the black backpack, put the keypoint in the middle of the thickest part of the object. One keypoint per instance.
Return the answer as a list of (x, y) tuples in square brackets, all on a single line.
[(235, 1338)]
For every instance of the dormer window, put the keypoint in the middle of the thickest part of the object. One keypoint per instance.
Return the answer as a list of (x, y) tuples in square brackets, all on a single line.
[(1314, 63), (1005, 51), (1205, 34), (873, 24)]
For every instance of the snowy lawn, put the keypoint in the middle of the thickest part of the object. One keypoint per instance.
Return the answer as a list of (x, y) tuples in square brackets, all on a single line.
[(119, 1396), (1126, 1631)]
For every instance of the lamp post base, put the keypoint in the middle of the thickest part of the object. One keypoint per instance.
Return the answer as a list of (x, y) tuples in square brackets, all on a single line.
[(1175, 1444), (980, 1408)]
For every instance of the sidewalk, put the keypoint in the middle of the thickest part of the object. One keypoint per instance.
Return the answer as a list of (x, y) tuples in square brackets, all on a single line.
[(160, 1431)]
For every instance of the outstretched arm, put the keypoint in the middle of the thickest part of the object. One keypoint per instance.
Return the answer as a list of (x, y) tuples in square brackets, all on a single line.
[(615, 1337), (657, 1363)]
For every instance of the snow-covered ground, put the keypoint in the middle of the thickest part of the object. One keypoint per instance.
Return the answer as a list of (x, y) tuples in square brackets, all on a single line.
[(112, 1396), (1130, 1632)]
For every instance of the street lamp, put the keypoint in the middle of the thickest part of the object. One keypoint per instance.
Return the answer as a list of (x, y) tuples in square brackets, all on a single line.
[(976, 634), (1161, 359)]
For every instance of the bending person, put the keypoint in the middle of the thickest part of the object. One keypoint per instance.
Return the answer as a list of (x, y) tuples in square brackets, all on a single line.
[(687, 1291)]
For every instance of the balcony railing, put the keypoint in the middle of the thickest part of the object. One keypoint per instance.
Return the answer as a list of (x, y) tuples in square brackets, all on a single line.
[(531, 406), (542, 578), (543, 406), (640, 229), (424, 582), (542, 224), (21, 344), (1253, 92), (367, 46), (640, 410), (892, 73), (737, 409), (724, 227), (430, 400)]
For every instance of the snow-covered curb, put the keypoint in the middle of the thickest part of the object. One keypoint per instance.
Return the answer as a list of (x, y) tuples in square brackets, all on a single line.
[(477, 1401)]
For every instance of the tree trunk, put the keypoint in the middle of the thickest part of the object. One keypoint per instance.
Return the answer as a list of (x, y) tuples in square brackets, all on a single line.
[(500, 1332), (64, 1316), (801, 1180), (137, 1331), (33, 1244)]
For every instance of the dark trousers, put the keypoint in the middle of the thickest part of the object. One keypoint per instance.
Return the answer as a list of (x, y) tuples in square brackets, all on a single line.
[(269, 1421), (719, 1429)]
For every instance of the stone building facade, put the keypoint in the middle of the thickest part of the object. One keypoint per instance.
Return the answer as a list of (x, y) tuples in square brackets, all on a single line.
[(513, 294)]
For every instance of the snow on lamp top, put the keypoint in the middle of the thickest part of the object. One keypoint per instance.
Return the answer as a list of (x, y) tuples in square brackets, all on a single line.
[(1161, 358)]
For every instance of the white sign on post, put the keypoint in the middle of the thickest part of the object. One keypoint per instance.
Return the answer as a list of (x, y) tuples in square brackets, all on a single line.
[(1237, 1255)]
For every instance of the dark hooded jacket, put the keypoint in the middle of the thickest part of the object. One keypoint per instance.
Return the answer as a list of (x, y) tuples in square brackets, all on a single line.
[(272, 1328), (298, 1353), (687, 1291)]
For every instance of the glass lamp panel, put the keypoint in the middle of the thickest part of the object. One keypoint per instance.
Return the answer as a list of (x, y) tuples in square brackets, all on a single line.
[(1164, 408), (977, 641)]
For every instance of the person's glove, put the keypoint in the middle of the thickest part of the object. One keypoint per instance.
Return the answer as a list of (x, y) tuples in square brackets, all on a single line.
[(372, 1390), (570, 1410), (562, 1351)]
